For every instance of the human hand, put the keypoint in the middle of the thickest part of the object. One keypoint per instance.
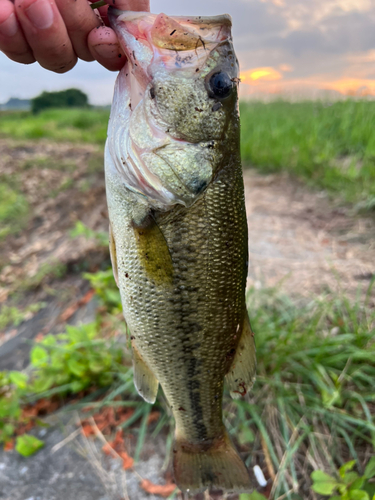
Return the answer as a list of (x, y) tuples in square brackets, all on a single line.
[(56, 33)]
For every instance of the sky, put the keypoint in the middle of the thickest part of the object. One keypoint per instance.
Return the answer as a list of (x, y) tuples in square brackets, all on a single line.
[(293, 48)]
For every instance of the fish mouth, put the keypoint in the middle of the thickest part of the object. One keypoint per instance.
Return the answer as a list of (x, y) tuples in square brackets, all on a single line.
[(176, 42), (177, 33)]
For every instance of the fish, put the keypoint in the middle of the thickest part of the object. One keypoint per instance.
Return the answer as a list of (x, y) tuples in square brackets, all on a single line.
[(178, 231)]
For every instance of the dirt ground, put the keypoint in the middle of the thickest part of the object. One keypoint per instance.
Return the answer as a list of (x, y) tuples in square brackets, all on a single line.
[(299, 241), (303, 242)]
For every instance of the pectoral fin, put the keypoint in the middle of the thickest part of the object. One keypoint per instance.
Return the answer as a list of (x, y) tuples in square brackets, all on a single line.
[(144, 380), (153, 252), (112, 253), (241, 374)]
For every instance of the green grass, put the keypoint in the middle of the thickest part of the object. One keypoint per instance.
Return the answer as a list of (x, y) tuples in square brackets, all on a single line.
[(14, 210), (12, 315), (331, 146), (75, 125), (48, 270)]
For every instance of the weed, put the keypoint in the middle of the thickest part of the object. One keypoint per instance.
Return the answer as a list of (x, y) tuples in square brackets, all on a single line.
[(46, 270), (75, 359), (40, 162), (80, 229), (95, 163), (349, 484), (27, 445), (64, 364), (11, 315), (252, 496), (66, 184), (311, 406), (106, 288), (13, 210), (44, 162)]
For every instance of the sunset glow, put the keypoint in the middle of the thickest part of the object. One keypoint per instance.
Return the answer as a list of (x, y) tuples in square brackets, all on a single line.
[(353, 87), (311, 88), (252, 75)]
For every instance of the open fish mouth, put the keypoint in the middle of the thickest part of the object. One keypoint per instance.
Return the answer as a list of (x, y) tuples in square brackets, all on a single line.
[(157, 159), (177, 41)]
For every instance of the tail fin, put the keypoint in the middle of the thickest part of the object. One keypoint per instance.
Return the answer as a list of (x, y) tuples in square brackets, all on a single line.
[(197, 468)]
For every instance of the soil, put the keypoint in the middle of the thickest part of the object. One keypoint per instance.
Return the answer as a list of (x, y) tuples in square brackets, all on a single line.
[(303, 242), (300, 241)]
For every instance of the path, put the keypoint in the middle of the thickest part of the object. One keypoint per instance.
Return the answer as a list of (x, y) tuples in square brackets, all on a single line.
[(303, 242)]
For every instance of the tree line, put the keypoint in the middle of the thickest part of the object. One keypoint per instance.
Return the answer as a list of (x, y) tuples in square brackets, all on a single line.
[(70, 98)]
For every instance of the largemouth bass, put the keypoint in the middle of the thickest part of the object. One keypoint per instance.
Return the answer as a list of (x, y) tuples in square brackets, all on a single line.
[(178, 231)]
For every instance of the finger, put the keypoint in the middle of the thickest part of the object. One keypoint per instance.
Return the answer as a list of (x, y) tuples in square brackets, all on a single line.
[(140, 6), (46, 34), (103, 42), (136, 5), (103, 14), (12, 41), (79, 19), (105, 48)]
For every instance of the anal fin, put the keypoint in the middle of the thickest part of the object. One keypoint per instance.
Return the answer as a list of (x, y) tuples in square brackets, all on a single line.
[(241, 374), (144, 380)]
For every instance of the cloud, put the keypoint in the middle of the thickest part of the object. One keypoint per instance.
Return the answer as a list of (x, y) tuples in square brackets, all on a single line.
[(362, 57), (300, 15), (285, 67)]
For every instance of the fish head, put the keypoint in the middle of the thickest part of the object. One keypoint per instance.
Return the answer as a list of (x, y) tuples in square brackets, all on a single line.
[(180, 91)]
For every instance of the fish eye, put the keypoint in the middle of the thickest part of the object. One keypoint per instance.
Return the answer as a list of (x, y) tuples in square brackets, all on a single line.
[(220, 85)]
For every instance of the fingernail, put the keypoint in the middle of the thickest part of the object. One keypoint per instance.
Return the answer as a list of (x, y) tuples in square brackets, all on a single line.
[(9, 27), (107, 50), (40, 14)]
